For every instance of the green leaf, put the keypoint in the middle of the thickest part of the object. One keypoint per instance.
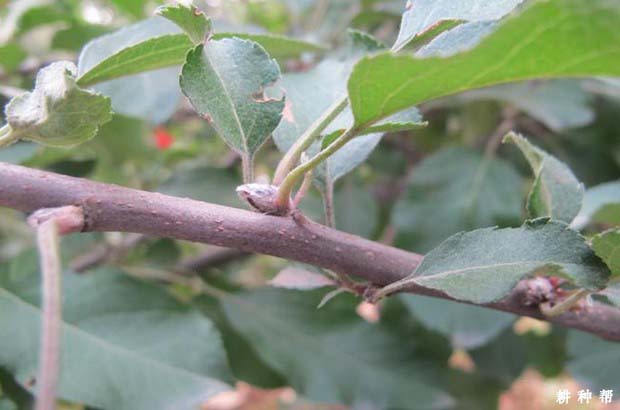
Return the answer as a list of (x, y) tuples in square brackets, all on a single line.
[(466, 326), (157, 52), (559, 104), (331, 354), (226, 80), (191, 19), (556, 192), (484, 265), (133, 7), (453, 190), (548, 39), (125, 344), (424, 15), (11, 55), (57, 112), (279, 47), (601, 204), (594, 361), (607, 246)]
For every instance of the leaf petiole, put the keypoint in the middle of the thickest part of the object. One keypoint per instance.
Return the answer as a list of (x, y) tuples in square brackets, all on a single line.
[(287, 185), (312, 133)]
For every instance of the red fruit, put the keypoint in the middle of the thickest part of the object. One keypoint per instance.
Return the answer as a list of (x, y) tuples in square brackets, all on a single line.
[(163, 139)]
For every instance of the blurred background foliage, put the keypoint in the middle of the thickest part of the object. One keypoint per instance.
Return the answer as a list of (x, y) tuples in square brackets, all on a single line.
[(415, 189)]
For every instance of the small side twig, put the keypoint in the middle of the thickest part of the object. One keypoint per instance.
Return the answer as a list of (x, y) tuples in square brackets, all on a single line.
[(328, 205), (49, 224), (565, 305)]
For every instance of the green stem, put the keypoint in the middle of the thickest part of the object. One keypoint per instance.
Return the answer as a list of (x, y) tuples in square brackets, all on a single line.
[(247, 164), (7, 136), (293, 177), (565, 304), (290, 159)]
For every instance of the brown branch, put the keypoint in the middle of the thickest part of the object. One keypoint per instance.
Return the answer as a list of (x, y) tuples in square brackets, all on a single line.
[(114, 208)]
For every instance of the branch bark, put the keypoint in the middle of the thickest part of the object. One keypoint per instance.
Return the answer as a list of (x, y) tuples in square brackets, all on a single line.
[(113, 208)]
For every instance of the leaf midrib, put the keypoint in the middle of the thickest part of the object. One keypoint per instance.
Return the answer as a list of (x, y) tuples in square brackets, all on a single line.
[(498, 266)]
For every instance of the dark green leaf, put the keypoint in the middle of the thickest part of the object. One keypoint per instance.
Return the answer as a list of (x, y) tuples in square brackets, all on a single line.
[(453, 190), (226, 81), (594, 361), (556, 192), (465, 326), (331, 354), (482, 266), (126, 344), (57, 112)]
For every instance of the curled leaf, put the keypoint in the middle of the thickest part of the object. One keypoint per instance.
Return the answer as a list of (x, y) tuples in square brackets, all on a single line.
[(57, 112)]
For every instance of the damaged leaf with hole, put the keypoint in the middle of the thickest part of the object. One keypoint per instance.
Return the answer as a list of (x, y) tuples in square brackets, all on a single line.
[(230, 81)]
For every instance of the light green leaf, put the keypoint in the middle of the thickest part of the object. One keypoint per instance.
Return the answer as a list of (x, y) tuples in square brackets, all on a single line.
[(57, 112), (548, 39), (126, 345), (157, 52), (11, 55), (191, 19), (331, 354), (226, 81), (453, 190), (423, 15), (594, 361), (482, 266), (556, 192), (601, 204), (607, 246), (466, 326)]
